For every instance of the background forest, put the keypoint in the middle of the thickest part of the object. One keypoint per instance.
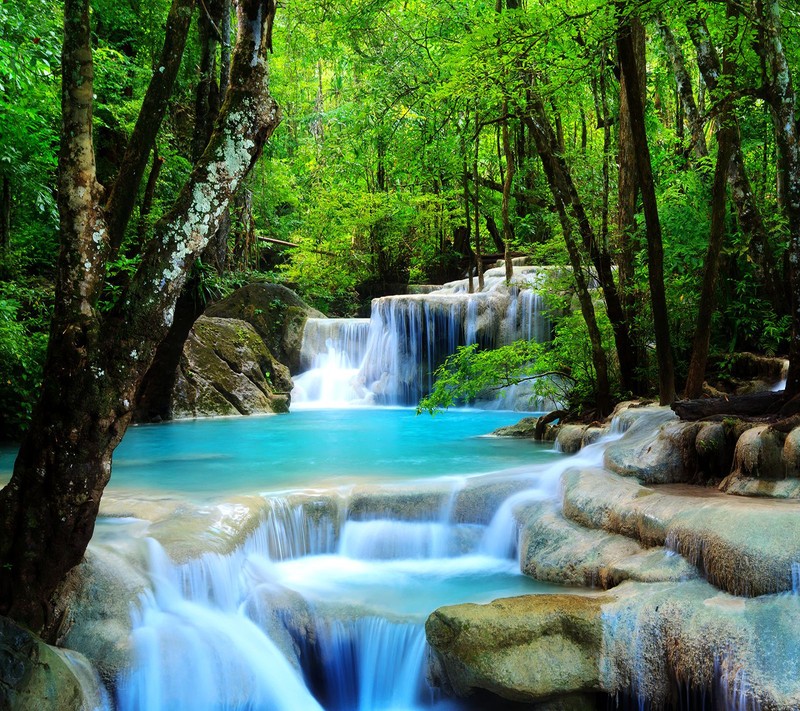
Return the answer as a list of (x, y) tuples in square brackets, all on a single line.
[(421, 136)]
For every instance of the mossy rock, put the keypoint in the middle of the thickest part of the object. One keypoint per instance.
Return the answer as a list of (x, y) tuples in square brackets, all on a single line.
[(36, 676), (530, 648), (276, 313), (226, 369)]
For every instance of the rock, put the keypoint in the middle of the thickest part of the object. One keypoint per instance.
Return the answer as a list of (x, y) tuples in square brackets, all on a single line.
[(759, 454), (529, 648), (570, 438), (36, 676), (95, 605), (556, 550), (526, 427), (743, 546), (276, 313), (637, 639), (656, 454), (791, 453), (226, 369)]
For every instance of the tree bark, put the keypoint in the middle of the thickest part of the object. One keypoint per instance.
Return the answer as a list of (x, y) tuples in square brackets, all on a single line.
[(742, 195), (655, 251), (546, 140), (627, 181), (753, 405), (122, 197), (702, 334), (5, 221), (509, 178), (478, 251), (96, 360), (783, 101), (563, 188), (683, 83), (149, 193)]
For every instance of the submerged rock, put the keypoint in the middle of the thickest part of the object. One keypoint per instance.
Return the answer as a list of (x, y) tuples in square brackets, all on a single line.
[(226, 369)]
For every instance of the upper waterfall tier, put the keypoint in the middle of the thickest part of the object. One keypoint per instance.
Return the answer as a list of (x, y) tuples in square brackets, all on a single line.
[(390, 358)]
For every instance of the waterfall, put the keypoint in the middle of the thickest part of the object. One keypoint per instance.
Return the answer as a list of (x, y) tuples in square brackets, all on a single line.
[(390, 358), (369, 663)]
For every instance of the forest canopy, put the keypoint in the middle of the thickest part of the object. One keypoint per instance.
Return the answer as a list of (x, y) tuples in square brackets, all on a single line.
[(419, 137)]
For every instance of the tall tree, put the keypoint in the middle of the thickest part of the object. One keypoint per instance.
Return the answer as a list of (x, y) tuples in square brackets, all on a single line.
[(655, 249), (96, 358), (783, 102)]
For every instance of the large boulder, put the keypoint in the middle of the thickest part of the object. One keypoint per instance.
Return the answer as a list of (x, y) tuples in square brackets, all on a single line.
[(655, 642), (276, 313), (36, 676), (529, 648), (226, 369)]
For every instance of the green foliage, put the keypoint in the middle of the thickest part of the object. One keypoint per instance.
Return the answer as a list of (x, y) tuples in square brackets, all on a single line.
[(24, 313)]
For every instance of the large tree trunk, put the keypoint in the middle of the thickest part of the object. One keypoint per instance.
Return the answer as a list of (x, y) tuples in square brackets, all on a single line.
[(95, 359), (655, 253), (742, 195), (783, 101), (627, 181)]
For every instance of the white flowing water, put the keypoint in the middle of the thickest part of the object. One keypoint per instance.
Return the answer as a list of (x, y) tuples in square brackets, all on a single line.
[(390, 358), (323, 605)]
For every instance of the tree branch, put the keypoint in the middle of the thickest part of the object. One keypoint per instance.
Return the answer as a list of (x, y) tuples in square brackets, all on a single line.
[(122, 199)]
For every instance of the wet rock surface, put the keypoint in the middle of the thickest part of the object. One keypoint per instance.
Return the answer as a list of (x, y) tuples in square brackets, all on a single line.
[(37, 677)]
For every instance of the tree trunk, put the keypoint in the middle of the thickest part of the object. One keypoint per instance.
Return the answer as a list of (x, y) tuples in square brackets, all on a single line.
[(655, 253), (467, 204), (5, 222), (478, 251), (95, 359), (702, 334), (742, 196), (509, 178), (783, 101), (683, 83), (546, 140), (123, 194), (627, 182), (563, 188), (149, 193)]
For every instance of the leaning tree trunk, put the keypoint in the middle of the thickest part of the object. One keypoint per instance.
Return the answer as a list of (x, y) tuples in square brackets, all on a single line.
[(702, 334), (655, 250), (563, 188), (683, 82), (546, 139), (96, 359)]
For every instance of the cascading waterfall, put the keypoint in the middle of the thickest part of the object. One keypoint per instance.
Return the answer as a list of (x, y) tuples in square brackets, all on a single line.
[(390, 359), (221, 631)]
